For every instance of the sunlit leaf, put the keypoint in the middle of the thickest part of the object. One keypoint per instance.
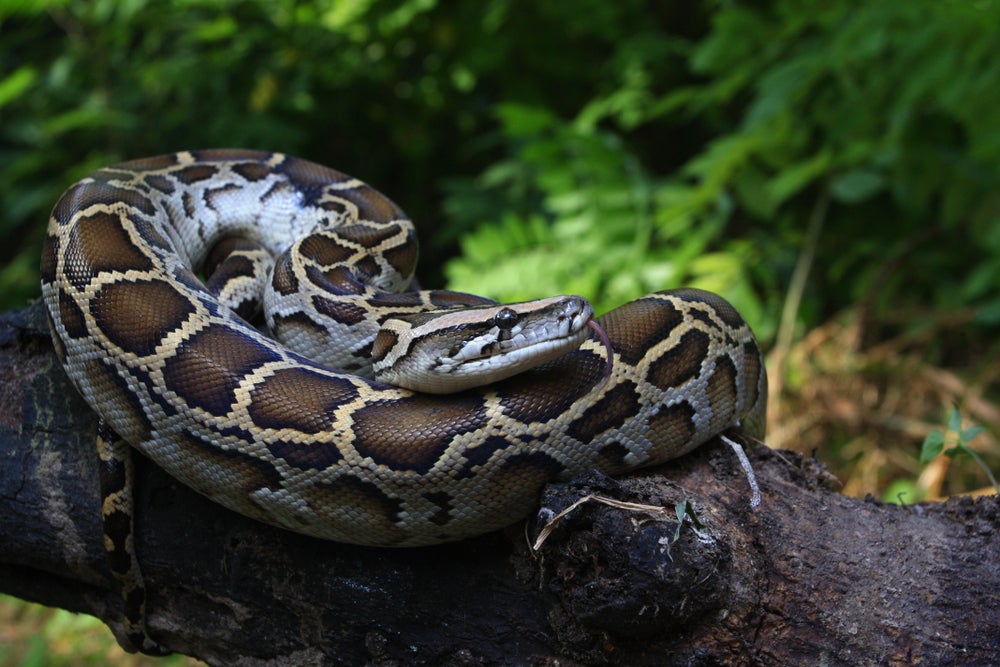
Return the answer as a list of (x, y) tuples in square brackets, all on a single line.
[(968, 434), (15, 83), (955, 420), (933, 444)]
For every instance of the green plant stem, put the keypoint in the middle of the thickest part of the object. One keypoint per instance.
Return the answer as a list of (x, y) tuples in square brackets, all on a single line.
[(982, 464)]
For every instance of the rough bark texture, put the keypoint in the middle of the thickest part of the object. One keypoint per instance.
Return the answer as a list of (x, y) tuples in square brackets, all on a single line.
[(810, 577)]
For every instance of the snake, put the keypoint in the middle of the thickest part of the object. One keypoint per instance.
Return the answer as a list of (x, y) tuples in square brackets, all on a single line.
[(154, 273)]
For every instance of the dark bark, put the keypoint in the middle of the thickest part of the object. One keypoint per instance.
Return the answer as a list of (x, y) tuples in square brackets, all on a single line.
[(810, 577)]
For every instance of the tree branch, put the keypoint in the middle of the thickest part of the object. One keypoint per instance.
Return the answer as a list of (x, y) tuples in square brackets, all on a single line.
[(809, 576)]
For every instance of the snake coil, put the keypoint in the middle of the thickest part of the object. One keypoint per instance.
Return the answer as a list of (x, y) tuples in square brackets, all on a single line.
[(279, 437)]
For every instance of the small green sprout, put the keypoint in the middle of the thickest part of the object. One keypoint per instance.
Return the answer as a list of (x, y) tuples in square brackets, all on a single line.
[(684, 510), (936, 440)]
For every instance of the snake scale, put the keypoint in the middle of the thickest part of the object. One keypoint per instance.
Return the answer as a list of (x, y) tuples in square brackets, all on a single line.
[(303, 439)]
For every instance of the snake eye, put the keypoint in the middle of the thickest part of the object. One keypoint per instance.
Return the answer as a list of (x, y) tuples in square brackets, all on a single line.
[(505, 319)]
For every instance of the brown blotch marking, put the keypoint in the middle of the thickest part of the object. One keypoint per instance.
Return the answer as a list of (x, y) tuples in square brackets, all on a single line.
[(446, 299), (300, 399), (239, 265), (546, 392), (402, 257), (297, 320), (148, 163), (305, 455), (670, 430), (208, 367), (189, 204), (312, 181), (702, 316), (50, 258), (127, 417), (421, 318), (396, 300), (373, 205), (325, 249), (512, 491), (253, 171), (225, 248), (372, 515), (342, 311), (109, 175), (186, 276), (283, 279), (752, 369), (616, 407), (235, 471), (81, 196), (681, 362), (98, 243), (610, 458), (195, 173), (230, 154), (417, 431), (721, 392), (136, 315), (385, 341), (310, 174), (151, 235), (369, 236), (338, 206), (639, 325), (367, 266), (159, 183), (338, 280), (71, 316), (481, 454), (723, 308), (116, 510), (69, 203), (442, 501), (117, 526), (362, 352), (134, 609), (211, 195)]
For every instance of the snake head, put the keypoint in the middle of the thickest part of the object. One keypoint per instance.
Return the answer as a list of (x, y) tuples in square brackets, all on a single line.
[(447, 351)]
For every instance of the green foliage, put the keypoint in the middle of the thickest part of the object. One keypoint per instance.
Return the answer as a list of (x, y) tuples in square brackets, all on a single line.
[(397, 93), (614, 149), (37, 636), (685, 511), (884, 107), (936, 440)]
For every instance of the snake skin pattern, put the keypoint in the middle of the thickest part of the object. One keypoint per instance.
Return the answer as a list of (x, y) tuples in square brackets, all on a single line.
[(282, 438)]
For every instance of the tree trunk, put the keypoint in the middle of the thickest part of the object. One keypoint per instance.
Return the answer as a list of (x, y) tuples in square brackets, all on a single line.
[(809, 577)]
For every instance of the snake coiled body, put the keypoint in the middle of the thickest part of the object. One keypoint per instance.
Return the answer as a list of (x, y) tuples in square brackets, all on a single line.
[(282, 438)]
